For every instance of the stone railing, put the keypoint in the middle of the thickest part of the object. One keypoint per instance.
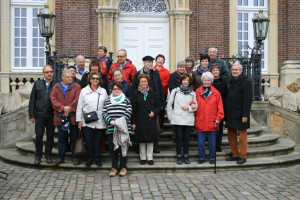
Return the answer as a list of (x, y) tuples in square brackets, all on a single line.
[(18, 80)]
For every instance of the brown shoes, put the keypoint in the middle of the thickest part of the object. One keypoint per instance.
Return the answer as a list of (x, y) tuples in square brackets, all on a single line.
[(113, 172), (123, 172)]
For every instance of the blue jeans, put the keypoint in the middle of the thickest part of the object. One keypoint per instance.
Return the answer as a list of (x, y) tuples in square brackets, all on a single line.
[(182, 139), (201, 137), (62, 141)]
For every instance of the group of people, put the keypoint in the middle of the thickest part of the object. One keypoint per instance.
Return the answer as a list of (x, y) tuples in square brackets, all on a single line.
[(108, 101)]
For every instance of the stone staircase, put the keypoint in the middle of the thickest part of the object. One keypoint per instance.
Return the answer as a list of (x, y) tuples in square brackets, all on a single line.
[(265, 149)]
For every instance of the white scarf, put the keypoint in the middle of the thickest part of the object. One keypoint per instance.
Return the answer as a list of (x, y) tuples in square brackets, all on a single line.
[(113, 101)]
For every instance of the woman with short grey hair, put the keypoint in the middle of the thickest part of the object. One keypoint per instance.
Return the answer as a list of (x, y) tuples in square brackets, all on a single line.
[(208, 116), (175, 76)]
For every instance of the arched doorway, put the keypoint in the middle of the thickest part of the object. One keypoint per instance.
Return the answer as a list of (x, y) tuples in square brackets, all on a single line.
[(143, 29)]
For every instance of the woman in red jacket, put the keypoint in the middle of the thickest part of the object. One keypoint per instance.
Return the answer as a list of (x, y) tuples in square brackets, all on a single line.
[(164, 75), (208, 116)]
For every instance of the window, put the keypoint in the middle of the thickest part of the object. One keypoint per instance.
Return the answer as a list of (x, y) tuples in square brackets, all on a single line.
[(246, 10), (27, 45)]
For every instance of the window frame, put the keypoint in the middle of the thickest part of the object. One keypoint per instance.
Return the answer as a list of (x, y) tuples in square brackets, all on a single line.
[(252, 10), (29, 5)]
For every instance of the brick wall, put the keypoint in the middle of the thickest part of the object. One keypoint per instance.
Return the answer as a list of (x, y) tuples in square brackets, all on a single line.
[(288, 31), (282, 32), (209, 26), (76, 28)]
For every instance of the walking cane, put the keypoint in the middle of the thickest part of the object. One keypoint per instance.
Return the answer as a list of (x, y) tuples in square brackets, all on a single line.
[(216, 148)]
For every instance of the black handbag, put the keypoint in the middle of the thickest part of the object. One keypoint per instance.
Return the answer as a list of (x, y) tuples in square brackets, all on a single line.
[(91, 116)]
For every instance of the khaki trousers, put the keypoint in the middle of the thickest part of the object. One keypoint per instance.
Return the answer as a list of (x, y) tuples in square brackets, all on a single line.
[(146, 151), (232, 139)]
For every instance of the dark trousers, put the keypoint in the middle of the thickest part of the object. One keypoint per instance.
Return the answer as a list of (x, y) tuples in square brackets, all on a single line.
[(115, 154), (62, 141), (182, 139), (40, 124), (220, 135), (92, 139)]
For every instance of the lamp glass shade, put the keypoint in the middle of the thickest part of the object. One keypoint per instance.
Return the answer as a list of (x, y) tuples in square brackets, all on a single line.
[(260, 26), (46, 22)]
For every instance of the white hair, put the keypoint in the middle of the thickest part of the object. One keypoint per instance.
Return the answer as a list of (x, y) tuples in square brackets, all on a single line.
[(208, 75), (79, 56), (181, 63), (238, 64), (66, 71), (213, 48), (123, 51)]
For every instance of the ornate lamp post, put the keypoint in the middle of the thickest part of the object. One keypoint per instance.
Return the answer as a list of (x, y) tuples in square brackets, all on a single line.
[(46, 24), (260, 26)]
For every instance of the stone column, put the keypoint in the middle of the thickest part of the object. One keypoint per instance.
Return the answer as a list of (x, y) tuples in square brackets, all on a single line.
[(233, 28), (290, 71), (179, 36), (107, 28), (5, 46), (273, 43)]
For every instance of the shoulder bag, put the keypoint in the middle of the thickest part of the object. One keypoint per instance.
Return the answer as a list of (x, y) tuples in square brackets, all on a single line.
[(91, 116)]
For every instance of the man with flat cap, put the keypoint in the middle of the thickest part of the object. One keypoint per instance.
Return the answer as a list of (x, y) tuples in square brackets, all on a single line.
[(155, 84)]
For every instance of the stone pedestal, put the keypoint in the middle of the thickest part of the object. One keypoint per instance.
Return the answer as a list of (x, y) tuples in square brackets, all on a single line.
[(290, 71)]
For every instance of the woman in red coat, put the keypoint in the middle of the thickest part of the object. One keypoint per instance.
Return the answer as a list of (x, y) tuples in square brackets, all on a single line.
[(208, 116)]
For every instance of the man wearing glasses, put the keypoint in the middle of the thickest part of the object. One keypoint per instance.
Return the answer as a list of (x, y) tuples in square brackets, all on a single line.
[(41, 113), (125, 64)]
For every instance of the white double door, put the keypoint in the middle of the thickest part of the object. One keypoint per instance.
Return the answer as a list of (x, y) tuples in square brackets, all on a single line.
[(143, 35)]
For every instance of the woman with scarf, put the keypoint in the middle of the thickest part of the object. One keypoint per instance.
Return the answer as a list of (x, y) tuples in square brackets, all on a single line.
[(203, 67), (145, 109), (118, 105), (180, 109), (189, 65), (208, 117), (175, 76)]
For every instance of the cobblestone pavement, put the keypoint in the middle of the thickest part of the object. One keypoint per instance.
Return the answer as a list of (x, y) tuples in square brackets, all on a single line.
[(27, 183)]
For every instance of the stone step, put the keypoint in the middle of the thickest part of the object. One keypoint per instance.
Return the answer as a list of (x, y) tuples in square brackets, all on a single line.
[(281, 147), (12, 155), (262, 140)]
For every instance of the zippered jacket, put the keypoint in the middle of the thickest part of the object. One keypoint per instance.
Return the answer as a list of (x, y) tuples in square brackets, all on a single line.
[(59, 101), (40, 102)]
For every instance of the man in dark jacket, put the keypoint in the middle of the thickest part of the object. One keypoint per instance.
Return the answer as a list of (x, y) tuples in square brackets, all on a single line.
[(216, 61), (155, 84), (41, 113), (238, 113)]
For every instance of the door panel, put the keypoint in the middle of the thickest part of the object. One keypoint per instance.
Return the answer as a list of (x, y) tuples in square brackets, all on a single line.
[(144, 38)]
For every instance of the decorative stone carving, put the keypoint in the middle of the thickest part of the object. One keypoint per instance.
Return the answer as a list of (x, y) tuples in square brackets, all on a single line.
[(16, 99), (156, 6), (274, 95), (295, 86), (292, 101)]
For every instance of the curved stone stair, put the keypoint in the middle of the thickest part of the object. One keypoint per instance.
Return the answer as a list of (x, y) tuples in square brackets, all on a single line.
[(265, 149)]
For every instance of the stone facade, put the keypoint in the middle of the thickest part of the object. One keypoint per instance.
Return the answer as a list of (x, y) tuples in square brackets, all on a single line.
[(15, 126)]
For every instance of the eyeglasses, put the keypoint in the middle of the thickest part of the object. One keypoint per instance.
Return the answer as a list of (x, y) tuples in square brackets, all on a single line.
[(95, 78), (116, 89), (120, 56), (48, 72)]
